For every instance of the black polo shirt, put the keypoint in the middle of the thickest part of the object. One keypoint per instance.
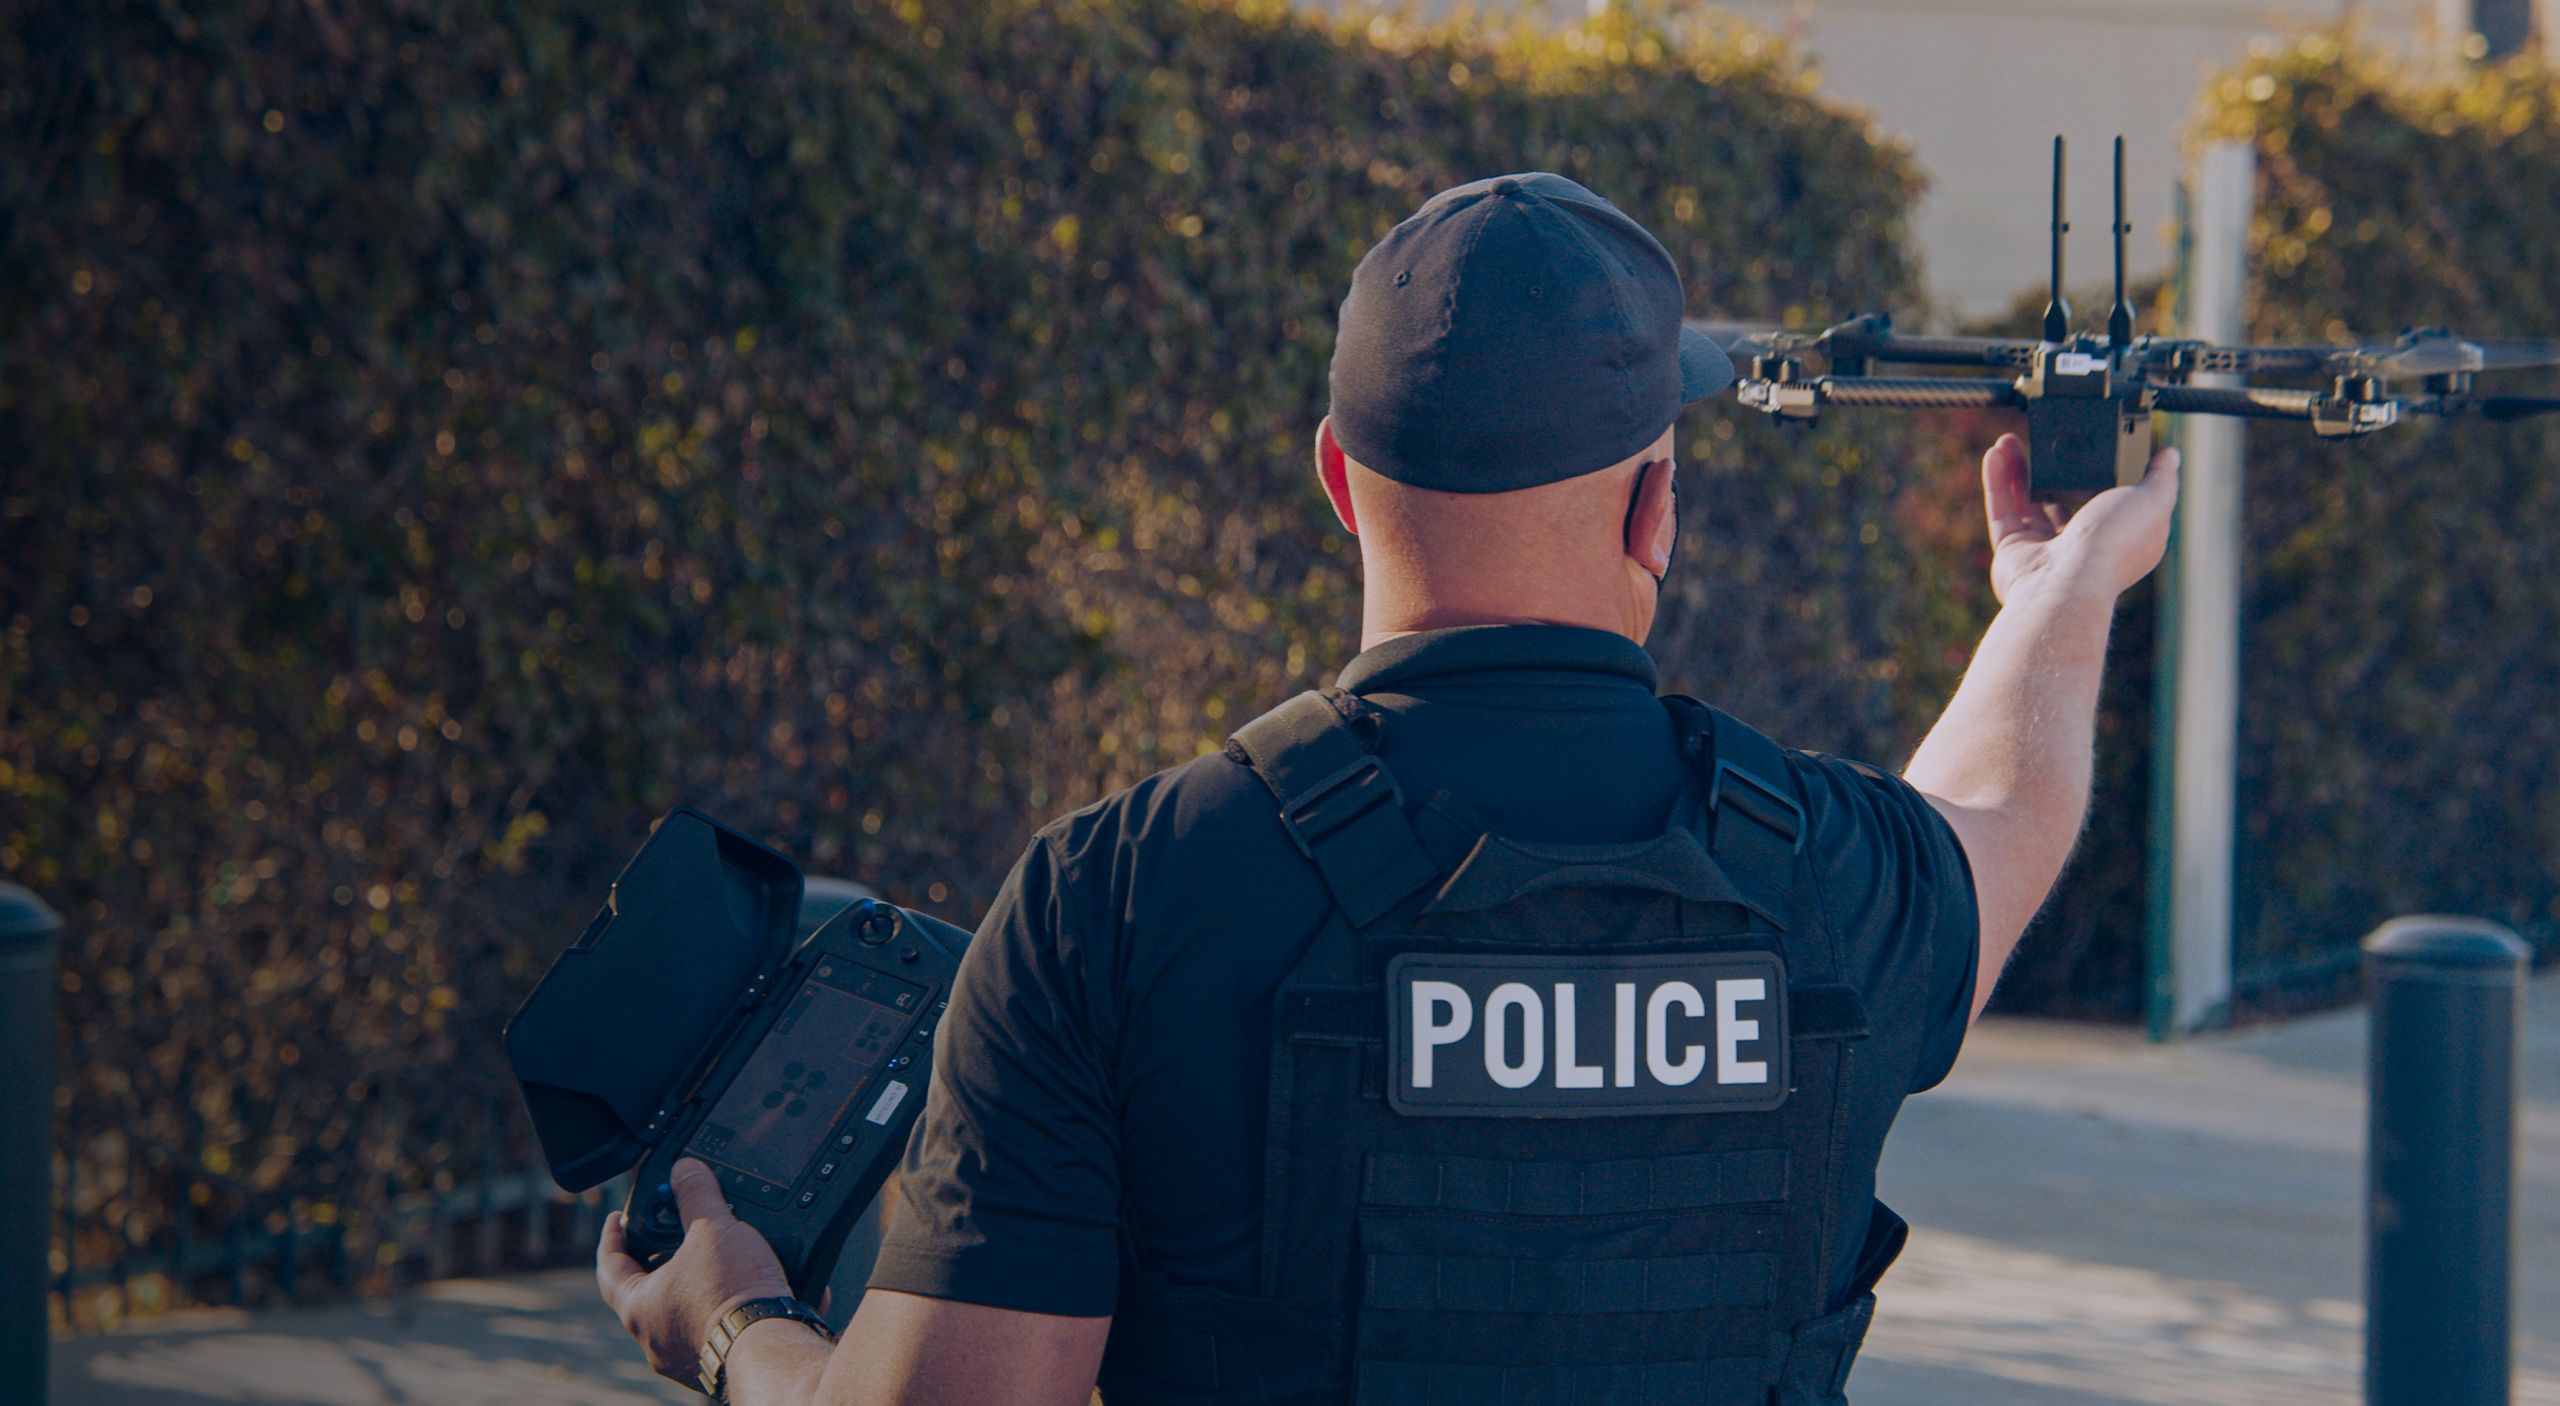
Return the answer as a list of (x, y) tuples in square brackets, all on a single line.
[(1098, 1086)]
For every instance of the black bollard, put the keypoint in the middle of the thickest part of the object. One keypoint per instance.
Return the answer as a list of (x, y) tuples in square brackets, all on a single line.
[(29, 935), (2447, 1064)]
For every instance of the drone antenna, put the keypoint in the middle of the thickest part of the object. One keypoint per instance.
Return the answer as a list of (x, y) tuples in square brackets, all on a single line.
[(2120, 317), (2057, 313)]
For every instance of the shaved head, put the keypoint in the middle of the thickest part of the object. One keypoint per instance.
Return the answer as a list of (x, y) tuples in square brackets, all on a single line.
[(1583, 551)]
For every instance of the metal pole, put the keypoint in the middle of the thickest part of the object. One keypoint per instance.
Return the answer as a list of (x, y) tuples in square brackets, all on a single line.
[(30, 939), (2204, 696), (2447, 1063)]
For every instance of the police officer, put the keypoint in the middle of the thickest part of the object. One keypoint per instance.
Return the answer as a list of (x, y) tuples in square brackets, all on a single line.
[(1485, 1028)]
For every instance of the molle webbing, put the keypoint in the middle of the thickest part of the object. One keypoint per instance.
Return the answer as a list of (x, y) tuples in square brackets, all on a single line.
[(1637, 1384), (1491, 1284), (1630, 1186)]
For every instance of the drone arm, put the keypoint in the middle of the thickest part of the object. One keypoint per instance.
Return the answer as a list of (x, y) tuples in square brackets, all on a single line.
[(1913, 393), (1933, 351), (2246, 402)]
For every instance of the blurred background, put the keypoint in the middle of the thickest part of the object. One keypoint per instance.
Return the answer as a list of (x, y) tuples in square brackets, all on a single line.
[(437, 438)]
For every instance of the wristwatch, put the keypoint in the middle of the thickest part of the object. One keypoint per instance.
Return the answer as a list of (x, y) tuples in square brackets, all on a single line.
[(724, 1335)]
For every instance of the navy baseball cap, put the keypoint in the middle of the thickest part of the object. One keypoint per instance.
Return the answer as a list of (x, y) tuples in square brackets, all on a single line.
[(1515, 331)]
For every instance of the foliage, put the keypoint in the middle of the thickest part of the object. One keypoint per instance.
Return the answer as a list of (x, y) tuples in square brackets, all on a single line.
[(2401, 696), (436, 438)]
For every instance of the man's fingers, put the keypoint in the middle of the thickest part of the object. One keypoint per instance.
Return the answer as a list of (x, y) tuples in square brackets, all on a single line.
[(2004, 493), (2161, 474), (698, 1193), (616, 1270), (2004, 475), (2155, 495)]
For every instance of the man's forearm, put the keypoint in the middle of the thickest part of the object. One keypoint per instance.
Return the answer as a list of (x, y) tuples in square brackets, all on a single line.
[(2009, 761)]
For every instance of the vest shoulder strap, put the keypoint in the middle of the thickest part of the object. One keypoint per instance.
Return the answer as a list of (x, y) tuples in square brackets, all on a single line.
[(1340, 806), (1754, 822)]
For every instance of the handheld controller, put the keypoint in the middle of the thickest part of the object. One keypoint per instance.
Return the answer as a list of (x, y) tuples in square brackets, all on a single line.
[(807, 1112), (691, 1019)]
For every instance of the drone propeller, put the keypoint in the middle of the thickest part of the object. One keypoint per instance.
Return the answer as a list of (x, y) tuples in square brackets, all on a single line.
[(1865, 339), (2499, 407), (2416, 354), (1755, 337), (2437, 354)]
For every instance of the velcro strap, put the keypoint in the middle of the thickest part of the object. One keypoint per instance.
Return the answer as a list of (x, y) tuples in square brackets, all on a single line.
[(1566, 1339), (1592, 1384), (1349, 1014), (1469, 1284), (1814, 1360), (1491, 1186), (1757, 824), (1341, 808), (1335, 1015), (1825, 1011)]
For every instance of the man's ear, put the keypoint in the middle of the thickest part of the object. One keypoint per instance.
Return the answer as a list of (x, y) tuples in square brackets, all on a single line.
[(1653, 519), (1334, 472)]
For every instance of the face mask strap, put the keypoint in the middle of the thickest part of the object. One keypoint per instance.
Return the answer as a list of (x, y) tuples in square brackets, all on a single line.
[(1626, 529)]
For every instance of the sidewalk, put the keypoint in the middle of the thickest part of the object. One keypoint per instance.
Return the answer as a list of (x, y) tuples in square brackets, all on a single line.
[(2102, 1220), (2097, 1220)]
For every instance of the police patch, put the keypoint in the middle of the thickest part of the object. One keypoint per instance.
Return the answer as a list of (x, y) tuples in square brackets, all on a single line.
[(1586, 1036)]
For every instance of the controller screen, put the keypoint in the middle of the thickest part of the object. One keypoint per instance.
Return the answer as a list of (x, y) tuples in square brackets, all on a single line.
[(819, 1055)]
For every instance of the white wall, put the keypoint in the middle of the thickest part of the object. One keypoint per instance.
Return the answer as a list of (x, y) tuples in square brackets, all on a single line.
[(1981, 87)]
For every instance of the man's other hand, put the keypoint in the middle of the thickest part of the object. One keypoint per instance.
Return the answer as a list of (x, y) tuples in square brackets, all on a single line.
[(2106, 545), (722, 1263)]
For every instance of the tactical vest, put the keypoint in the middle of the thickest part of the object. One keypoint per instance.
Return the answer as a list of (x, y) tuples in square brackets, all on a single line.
[(1548, 1124)]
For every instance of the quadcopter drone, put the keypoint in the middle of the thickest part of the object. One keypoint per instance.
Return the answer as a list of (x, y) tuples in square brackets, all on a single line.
[(2089, 399)]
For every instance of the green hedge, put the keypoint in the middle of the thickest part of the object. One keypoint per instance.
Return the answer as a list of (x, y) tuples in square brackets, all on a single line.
[(440, 436), (2401, 676)]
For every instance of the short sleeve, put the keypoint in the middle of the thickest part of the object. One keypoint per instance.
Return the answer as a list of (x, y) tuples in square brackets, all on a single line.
[(1899, 894), (1010, 1192)]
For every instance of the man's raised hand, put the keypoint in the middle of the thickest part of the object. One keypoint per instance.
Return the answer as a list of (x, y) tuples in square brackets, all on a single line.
[(2104, 546)]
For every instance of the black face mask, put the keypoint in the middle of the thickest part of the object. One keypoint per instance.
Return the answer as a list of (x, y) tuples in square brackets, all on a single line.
[(1672, 555), (1626, 530)]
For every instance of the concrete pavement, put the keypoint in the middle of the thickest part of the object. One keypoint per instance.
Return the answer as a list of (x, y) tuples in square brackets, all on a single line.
[(2097, 1222), (2102, 1220)]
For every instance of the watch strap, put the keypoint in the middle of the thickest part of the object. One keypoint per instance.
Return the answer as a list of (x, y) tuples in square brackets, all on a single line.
[(724, 1335)]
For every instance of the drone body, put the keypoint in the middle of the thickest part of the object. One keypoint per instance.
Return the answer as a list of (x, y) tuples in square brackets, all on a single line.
[(2089, 399)]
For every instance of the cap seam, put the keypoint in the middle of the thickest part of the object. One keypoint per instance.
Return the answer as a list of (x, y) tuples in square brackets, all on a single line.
[(1626, 324)]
